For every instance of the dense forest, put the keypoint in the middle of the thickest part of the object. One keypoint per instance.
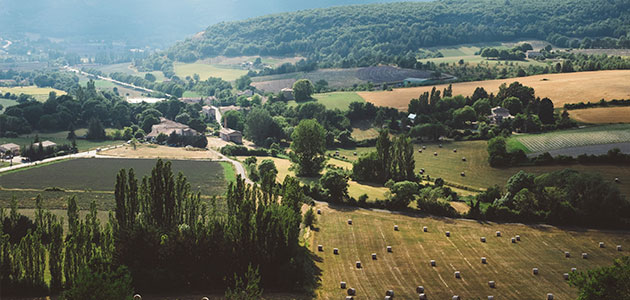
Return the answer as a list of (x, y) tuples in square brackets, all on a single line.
[(368, 34)]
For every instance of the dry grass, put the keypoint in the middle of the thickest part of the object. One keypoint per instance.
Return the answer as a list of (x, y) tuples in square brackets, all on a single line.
[(602, 115), (41, 94), (561, 88), (408, 266), (153, 151)]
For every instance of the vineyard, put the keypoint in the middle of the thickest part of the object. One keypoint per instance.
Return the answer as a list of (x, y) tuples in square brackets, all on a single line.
[(575, 138)]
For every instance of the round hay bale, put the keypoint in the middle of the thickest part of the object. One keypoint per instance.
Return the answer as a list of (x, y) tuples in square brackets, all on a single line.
[(433, 264), (499, 233), (573, 270), (434, 153), (535, 271), (549, 296), (137, 297), (490, 297), (358, 264), (618, 247), (205, 298), (440, 145), (492, 284), (617, 179), (319, 211), (420, 289), (567, 254), (424, 147), (320, 248), (388, 297), (565, 276), (373, 256), (448, 234), (389, 293), (457, 274), (455, 150), (484, 260), (455, 297), (355, 153), (352, 292), (349, 298), (463, 158), (389, 249), (419, 150), (395, 227), (584, 255), (463, 174), (349, 221), (342, 285), (336, 251), (518, 238), (483, 239), (423, 296), (601, 245), (425, 229), (513, 240)]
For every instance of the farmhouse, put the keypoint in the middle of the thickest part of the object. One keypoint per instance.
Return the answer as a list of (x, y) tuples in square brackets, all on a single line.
[(246, 93), (45, 144), (499, 114), (202, 100), (231, 135), (533, 54), (208, 111), (167, 127), (287, 93), (15, 149)]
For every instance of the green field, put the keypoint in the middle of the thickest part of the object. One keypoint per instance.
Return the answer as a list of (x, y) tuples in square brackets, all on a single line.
[(127, 69), (41, 94), (191, 94), (467, 52), (334, 100), (206, 70), (408, 265), (6, 103), (60, 139), (594, 135)]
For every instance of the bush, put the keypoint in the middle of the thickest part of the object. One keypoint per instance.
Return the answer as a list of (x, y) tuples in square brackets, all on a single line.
[(100, 278), (309, 218)]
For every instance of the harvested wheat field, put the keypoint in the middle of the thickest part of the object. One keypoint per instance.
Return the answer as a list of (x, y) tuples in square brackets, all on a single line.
[(602, 115), (561, 88), (154, 151), (407, 266)]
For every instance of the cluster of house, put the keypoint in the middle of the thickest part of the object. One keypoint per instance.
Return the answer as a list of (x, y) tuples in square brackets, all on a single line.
[(14, 149)]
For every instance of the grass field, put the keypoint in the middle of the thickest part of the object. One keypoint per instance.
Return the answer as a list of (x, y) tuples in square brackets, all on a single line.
[(99, 174), (127, 69), (191, 94), (509, 265), (602, 115), (334, 100), (207, 70), (6, 103), (593, 135), (59, 138), (560, 88), (41, 94)]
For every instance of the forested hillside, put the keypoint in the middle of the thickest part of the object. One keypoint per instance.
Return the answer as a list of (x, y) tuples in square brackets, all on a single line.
[(368, 34)]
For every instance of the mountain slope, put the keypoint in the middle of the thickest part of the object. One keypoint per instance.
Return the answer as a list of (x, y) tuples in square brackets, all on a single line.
[(364, 34)]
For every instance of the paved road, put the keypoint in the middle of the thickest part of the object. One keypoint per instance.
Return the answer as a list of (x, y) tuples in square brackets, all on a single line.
[(56, 158), (114, 81)]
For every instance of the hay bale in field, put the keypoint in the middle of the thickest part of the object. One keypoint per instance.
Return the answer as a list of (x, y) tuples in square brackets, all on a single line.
[(499, 233), (518, 237), (419, 150), (395, 227), (349, 298), (565, 276), (205, 298), (483, 260), (349, 221), (463, 158), (433, 264), (358, 264), (434, 153), (455, 297), (463, 174), (601, 245), (425, 229), (440, 145), (573, 270), (492, 284), (455, 150), (319, 211), (389, 293), (420, 289), (336, 251), (448, 234), (342, 284), (618, 247), (354, 153), (423, 296), (373, 256), (513, 240), (490, 297), (137, 297), (617, 179), (389, 249), (567, 254), (585, 255), (424, 147), (320, 248), (535, 271), (352, 292), (483, 239), (388, 297), (457, 274), (549, 296)]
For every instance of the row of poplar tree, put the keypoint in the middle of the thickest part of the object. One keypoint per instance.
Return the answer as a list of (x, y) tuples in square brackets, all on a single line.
[(165, 235)]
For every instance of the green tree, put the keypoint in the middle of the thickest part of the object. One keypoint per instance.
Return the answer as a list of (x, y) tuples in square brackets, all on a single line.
[(267, 166), (403, 193), (482, 107), (497, 152), (96, 131), (514, 105), (545, 111), (246, 287), (234, 119), (309, 218), (243, 82), (335, 184), (259, 125), (150, 77), (609, 282), (309, 147), (103, 279), (302, 89), (463, 115)]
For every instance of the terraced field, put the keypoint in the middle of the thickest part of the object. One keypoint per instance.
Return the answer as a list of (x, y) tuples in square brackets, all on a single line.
[(595, 135), (408, 265)]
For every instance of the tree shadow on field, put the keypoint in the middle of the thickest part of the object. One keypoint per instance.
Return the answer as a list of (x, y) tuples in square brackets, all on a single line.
[(312, 273)]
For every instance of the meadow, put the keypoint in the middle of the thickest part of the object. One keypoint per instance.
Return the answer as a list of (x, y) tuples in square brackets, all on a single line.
[(602, 115), (41, 94), (206, 71), (6, 103), (59, 138), (408, 265), (334, 100), (560, 88), (128, 69), (593, 135)]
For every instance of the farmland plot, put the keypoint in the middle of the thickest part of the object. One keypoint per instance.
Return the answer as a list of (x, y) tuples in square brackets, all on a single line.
[(575, 138)]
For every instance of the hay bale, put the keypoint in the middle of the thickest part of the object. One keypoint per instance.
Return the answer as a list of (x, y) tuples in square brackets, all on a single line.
[(424, 147), (483, 260), (585, 255), (349, 298), (137, 297), (336, 251), (567, 254), (618, 247), (518, 237), (320, 248), (492, 284), (483, 239), (433, 264), (448, 234), (490, 297), (388, 297), (389, 293), (373, 256), (389, 249), (535, 271), (395, 227), (354, 153), (420, 289), (573, 270), (352, 292), (423, 296), (463, 174), (349, 221), (455, 150), (457, 274), (342, 285), (463, 158), (513, 240), (419, 150), (425, 229), (499, 233), (358, 264), (319, 211), (565, 276), (455, 297), (205, 298), (617, 179), (440, 145), (549, 296), (434, 153), (601, 245)]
